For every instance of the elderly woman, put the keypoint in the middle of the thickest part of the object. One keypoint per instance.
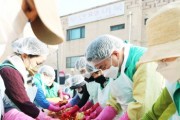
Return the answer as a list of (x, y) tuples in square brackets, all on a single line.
[(129, 88), (15, 72), (43, 79), (164, 37)]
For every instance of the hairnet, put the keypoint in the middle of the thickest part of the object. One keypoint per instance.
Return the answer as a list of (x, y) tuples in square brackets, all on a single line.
[(102, 47), (30, 46), (81, 63), (77, 81), (91, 69), (48, 70)]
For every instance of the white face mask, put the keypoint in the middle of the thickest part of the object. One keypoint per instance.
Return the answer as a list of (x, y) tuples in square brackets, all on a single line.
[(87, 75), (170, 70), (112, 72)]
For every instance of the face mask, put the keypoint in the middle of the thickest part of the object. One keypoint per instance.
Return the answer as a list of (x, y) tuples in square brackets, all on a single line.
[(112, 72), (101, 80), (170, 70), (87, 75), (32, 70), (91, 79), (46, 80)]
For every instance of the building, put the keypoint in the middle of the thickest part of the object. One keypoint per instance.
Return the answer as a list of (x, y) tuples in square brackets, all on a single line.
[(125, 19)]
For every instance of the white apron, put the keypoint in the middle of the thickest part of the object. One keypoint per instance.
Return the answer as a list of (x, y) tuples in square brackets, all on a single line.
[(30, 90), (92, 88), (103, 94), (2, 89), (121, 88)]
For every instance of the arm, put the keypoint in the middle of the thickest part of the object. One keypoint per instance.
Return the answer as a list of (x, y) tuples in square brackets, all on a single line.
[(40, 97), (163, 103), (75, 100), (147, 87), (84, 98), (15, 90)]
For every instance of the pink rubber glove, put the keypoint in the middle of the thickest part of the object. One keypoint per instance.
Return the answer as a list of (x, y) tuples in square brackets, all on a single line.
[(124, 117), (90, 110), (43, 116), (54, 108), (108, 113), (70, 112), (68, 105), (86, 106), (94, 114)]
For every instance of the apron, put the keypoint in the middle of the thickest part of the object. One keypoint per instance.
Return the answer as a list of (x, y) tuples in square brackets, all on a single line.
[(121, 88), (103, 94), (2, 89), (171, 87), (92, 88)]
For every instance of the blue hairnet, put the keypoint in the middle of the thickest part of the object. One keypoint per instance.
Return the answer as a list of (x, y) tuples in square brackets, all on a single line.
[(30, 46), (102, 47)]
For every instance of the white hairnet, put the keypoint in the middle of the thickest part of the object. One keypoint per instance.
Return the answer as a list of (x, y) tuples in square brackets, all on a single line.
[(48, 70), (30, 46), (68, 82), (77, 81), (91, 69), (81, 63), (102, 47)]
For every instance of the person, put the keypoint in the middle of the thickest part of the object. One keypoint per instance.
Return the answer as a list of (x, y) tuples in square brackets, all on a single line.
[(17, 13), (131, 86), (70, 93), (45, 23), (16, 72), (163, 36), (97, 86), (43, 79), (79, 99)]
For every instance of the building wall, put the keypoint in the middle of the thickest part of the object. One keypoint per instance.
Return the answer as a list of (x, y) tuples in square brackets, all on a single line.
[(138, 10)]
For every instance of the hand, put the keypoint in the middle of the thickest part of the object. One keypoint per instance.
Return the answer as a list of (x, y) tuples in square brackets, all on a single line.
[(124, 117)]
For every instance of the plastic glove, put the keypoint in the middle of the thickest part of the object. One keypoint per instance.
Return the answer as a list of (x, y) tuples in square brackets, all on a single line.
[(86, 106), (43, 116), (54, 108), (71, 112), (108, 113), (124, 117), (61, 103), (94, 114), (68, 105), (93, 108)]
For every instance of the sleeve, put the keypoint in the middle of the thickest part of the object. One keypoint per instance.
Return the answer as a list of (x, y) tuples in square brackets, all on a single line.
[(162, 107), (114, 104), (75, 100), (147, 87), (84, 98), (15, 90), (40, 98)]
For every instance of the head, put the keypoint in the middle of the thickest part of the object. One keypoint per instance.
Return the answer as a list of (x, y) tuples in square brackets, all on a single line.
[(45, 23), (32, 51), (164, 40), (47, 74), (105, 51), (78, 83), (80, 65)]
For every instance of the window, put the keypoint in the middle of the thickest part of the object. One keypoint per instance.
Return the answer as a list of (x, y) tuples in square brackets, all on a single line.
[(145, 20), (70, 61), (76, 33), (117, 27)]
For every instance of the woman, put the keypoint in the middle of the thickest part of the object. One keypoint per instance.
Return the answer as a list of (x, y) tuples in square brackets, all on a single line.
[(15, 72), (41, 79)]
